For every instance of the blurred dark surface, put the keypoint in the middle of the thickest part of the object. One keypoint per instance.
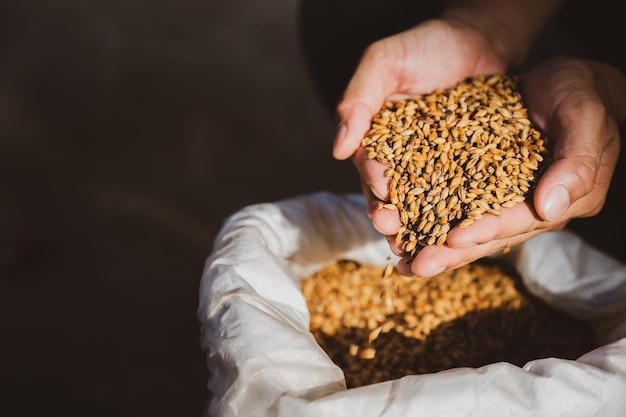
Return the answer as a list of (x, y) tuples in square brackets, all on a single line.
[(129, 130)]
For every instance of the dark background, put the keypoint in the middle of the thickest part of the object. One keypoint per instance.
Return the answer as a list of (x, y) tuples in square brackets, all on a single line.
[(129, 130)]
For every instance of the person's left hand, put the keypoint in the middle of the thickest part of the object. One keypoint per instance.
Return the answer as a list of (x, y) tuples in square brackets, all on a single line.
[(578, 104)]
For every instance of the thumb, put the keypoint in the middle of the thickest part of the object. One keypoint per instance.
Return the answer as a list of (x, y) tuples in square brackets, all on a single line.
[(560, 184), (363, 98), (573, 174)]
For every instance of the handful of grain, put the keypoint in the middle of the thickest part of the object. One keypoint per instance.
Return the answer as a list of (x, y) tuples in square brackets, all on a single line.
[(378, 325), (454, 155)]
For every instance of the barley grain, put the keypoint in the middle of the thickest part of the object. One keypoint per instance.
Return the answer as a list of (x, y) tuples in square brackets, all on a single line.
[(473, 141), (379, 329)]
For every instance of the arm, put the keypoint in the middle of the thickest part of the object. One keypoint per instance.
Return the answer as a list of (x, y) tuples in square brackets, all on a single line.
[(512, 25)]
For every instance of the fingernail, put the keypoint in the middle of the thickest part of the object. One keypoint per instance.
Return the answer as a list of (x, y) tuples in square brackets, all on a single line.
[(435, 271), (556, 203), (339, 137)]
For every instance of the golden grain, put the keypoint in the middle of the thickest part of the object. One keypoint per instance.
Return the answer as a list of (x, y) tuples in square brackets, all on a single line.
[(472, 143), (379, 329)]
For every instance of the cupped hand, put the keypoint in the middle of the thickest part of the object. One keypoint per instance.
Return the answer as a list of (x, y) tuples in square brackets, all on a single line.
[(435, 54), (578, 104)]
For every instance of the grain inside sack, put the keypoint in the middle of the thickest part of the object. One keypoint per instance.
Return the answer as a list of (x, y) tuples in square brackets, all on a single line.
[(377, 325), (456, 154)]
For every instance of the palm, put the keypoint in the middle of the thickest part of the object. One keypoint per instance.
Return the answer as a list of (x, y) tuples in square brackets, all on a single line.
[(435, 55)]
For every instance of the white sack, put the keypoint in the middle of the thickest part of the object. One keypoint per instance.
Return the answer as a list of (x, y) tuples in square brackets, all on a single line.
[(264, 361)]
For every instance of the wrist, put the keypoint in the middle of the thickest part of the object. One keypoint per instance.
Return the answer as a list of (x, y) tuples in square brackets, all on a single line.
[(509, 27)]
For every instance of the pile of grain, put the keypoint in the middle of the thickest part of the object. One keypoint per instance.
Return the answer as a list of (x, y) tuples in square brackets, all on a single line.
[(378, 325), (454, 155)]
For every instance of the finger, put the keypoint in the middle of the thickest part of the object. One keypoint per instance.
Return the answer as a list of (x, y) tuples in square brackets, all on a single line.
[(363, 97), (574, 185), (395, 245), (570, 177), (373, 172), (354, 123), (434, 259), (385, 221), (513, 221)]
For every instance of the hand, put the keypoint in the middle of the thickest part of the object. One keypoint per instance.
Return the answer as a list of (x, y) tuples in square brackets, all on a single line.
[(471, 38), (579, 104), (435, 54)]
